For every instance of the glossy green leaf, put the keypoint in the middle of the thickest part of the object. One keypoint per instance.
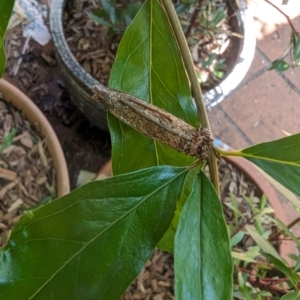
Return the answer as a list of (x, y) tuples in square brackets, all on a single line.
[(291, 296), (203, 263), (284, 268), (91, 243), (167, 242), (149, 66), (264, 244), (279, 65), (280, 159), (6, 7)]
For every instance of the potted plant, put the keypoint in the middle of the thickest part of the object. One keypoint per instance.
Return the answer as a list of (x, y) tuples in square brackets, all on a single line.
[(94, 241), (78, 81), (20, 101), (33, 167)]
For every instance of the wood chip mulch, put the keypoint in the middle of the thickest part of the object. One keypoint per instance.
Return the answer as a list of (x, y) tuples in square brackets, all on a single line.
[(27, 175)]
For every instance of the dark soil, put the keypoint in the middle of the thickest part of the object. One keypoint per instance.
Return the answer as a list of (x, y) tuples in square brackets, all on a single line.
[(84, 145)]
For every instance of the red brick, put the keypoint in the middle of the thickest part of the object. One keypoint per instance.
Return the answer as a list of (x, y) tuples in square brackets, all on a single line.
[(264, 107), (223, 130)]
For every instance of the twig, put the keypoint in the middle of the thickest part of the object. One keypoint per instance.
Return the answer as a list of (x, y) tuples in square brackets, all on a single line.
[(193, 18), (274, 289), (277, 234), (243, 225), (267, 284), (196, 89), (286, 16)]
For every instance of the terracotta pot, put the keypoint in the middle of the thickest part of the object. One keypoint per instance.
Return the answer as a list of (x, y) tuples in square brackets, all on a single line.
[(264, 186), (253, 175), (79, 83), (11, 94)]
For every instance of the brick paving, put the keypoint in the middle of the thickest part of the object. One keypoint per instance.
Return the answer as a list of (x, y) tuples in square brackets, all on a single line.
[(266, 102)]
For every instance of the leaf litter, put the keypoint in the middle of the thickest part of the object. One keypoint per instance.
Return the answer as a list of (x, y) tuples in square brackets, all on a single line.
[(27, 174)]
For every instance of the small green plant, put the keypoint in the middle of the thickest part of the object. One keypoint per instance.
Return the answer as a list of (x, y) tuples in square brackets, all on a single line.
[(293, 52), (259, 271), (204, 24), (91, 243), (116, 14)]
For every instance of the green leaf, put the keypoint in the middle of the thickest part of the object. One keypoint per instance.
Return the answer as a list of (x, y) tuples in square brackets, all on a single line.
[(247, 256), (110, 10), (242, 256), (291, 296), (6, 8), (296, 46), (236, 238), (203, 263), (243, 287), (8, 139), (93, 242), (280, 159), (287, 231), (98, 20), (284, 268), (279, 65), (149, 66), (218, 16), (265, 245), (167, 242)]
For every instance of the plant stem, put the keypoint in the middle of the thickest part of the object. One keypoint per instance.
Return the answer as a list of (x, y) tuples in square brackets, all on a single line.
[(286, 16), (195, 86), (277, 234)]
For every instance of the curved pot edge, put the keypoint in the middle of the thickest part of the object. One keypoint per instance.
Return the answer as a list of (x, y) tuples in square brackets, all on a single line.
[(235, 77), (34, 115), (249, 170), (266, 188), (212, 97)]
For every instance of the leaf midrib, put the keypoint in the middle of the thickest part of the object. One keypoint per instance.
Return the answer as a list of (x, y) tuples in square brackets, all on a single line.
[(106, 229)]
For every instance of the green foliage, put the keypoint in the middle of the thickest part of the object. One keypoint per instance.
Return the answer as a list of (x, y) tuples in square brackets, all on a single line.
[(295, 43), (284, 268), (6, 8), (93, 242), (116, 17), (279, 65), (8, 139), (202, 268), (149, 66), (280, 159)]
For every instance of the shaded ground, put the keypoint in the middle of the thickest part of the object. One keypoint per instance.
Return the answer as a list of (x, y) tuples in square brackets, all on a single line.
[(85, 146)]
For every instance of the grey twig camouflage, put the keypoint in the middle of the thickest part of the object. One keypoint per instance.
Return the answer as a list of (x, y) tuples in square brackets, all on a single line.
[(155, 123)]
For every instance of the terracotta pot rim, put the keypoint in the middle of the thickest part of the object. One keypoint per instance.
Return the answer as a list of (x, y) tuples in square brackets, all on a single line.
[(264, 186), (78, 81), (22, 102)]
